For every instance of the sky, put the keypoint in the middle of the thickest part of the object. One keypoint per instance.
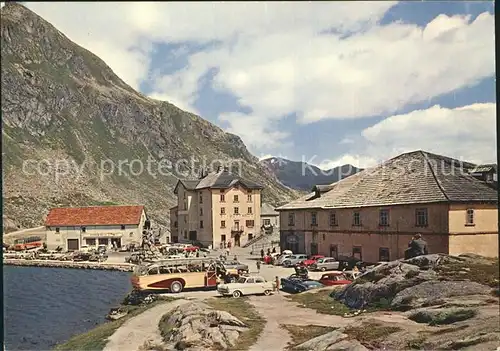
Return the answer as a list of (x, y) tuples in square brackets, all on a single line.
[(328, 83)]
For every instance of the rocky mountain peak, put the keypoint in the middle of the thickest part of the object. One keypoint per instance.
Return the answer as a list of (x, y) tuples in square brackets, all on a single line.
[(65, 106)]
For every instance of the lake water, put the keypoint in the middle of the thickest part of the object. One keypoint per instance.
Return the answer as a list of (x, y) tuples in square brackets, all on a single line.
[(47, 306)]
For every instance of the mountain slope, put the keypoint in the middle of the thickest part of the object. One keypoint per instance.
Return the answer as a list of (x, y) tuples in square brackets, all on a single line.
[(65, 112), (303, 176)]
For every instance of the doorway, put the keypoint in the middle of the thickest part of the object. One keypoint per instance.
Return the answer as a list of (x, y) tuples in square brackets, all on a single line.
[(314, 249), (73, 245), (237, 239), (334, 251)]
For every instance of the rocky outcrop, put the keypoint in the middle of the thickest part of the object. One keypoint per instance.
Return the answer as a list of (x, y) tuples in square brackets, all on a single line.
[(406, 284), (334, 340), (197, 326), (87, 138)]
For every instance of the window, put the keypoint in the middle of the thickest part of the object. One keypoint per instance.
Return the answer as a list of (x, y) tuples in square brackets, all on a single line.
[(185, 205), (249, 198), (421, 219), (122, 227), (84, 230), (185, 234), (90, 242), (469, 220), (250, 236), (201, 224), (223, 224), (57, 230), (249, 223), (333, 219), (176, 224), (267, 221), (249, 210), (314, 218), (236, 210), (222, 238), (201, 199), (222, 210), (291, 219), (383, 218), (201, 211), (235, 198), (356, 252), (314, 237), (222, 198), (250, 281), (356, 220), (259, 280), (383, 254)]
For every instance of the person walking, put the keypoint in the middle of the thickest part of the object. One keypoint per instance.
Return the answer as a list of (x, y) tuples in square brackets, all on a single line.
[(258, 266), (277, 284), (274, 250), (262, 254)]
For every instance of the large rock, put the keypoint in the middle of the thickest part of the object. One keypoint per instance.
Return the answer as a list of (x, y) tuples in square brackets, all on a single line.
[(197, 326), (334, 340), (433, 292), (402, 283)]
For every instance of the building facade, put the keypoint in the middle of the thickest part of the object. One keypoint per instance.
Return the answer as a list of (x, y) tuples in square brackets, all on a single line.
[(218, 208), (374, 214), (72, 228)]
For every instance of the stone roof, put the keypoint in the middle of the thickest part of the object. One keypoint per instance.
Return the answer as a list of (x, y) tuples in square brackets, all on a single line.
[(414, 177), (94, 215), (218, 180), (268, 210)]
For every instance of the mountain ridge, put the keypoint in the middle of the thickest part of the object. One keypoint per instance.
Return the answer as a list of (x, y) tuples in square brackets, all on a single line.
[(303, 176), (66, 112)]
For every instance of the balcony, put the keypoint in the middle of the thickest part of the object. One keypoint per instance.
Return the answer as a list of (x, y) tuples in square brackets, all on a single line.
[(236, 230)]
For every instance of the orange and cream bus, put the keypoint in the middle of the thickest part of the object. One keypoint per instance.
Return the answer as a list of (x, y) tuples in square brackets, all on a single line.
[(177, 275)]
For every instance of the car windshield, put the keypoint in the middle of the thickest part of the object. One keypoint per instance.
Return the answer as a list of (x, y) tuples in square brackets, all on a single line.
[(241, 280), (312, 283)]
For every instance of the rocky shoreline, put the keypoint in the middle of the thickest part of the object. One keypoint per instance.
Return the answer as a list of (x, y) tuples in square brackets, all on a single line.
[(122, 267)]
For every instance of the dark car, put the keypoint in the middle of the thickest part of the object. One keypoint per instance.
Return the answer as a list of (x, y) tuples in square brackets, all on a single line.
[(349, 262), (295, 285)]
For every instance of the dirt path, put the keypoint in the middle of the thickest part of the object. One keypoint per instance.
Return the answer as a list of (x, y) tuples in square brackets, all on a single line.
[(279, 310), (140, 329)]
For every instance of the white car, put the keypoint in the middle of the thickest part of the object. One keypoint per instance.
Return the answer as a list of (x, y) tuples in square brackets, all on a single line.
[(251, 285)]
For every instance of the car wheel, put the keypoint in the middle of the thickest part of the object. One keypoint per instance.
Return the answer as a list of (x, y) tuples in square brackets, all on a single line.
[(286, 263), (237, 294), (323, 269), (267, 292), (176, 287)]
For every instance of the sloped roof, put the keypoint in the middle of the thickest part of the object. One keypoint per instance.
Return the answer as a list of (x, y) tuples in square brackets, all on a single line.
[(484, 168), (94, 215), (414, 177), (218, 180), (268, 210)]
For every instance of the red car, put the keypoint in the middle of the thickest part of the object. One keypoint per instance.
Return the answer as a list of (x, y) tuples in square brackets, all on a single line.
[(191, 248), (311, 260), (334, 278)]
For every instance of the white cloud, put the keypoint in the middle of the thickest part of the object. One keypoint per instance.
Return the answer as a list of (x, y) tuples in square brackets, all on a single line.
[(272, 59), (359, 161), (265, 156), (466, 133)]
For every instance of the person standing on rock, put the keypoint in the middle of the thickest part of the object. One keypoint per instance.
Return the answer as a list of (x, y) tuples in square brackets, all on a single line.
[(417, 246)]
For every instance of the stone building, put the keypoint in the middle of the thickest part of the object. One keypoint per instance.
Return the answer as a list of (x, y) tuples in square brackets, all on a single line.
[(374, 214), (220, 207), (71, 228)]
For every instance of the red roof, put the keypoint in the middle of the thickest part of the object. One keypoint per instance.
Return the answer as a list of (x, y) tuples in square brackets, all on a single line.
[(95, 215)]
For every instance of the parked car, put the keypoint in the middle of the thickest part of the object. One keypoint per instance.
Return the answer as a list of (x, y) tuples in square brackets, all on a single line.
[(135, 258), (280, 259), (240, 267), (294, 285), (325, 264), (294, 259), (349, 262), (102, 249), (251, 285), (311, 260), (334, 278)]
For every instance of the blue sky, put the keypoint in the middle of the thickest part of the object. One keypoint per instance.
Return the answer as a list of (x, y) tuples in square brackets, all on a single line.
[(338, 82)]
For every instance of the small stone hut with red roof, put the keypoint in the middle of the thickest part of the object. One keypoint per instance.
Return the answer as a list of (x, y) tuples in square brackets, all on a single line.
[(73, 227)]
